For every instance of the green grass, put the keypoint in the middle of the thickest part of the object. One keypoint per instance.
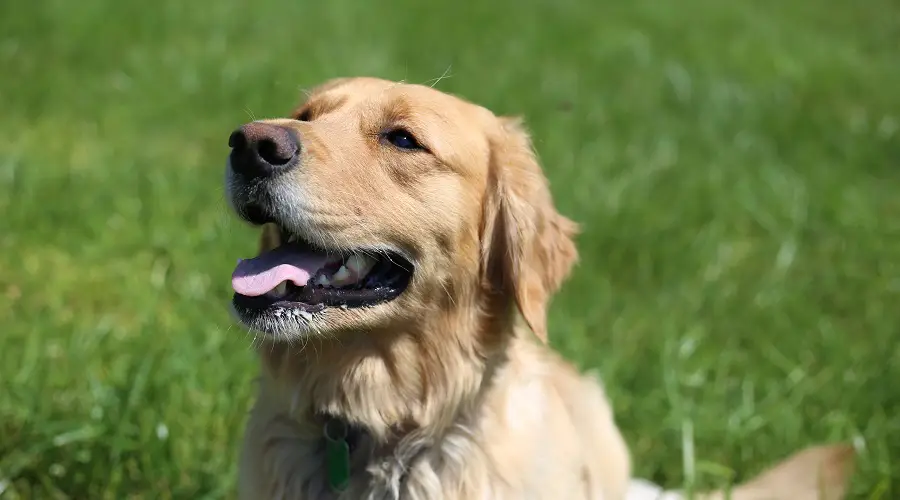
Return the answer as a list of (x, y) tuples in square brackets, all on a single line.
[(736, 167)]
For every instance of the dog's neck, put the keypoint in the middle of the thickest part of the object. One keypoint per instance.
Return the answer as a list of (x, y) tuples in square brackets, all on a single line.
[(385, 383)]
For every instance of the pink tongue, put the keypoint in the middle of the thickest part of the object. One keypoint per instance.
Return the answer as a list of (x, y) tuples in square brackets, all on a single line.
[(259, 275)]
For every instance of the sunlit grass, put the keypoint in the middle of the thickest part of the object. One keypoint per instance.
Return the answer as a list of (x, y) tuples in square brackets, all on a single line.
[(734, 166)]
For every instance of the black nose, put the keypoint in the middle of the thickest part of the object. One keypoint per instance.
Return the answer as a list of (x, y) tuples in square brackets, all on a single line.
[(261, 150)]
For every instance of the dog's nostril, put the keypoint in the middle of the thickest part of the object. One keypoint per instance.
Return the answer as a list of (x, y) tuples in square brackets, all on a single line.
[(237, 140), (260, 150), (276, 153)]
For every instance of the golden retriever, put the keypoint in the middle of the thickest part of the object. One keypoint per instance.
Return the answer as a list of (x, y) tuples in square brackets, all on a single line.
[(410, 248)]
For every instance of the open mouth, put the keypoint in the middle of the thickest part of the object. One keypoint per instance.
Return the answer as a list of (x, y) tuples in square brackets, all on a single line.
[(296, 275)]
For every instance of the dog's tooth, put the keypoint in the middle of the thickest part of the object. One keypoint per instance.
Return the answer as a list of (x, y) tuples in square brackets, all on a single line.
[(360, 264), (341, 274), (354, 262), (322, 280)]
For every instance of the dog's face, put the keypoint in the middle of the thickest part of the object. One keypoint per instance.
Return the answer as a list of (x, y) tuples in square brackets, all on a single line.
[(382, 203)]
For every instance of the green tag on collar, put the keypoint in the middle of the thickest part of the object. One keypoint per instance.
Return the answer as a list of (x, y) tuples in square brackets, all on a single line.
[(337, 455)]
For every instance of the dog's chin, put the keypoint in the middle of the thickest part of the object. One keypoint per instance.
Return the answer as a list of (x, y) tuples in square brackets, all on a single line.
[(294, 289), (287, 322)]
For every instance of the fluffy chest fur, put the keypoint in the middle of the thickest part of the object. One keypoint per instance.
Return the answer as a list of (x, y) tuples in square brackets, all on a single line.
[(536, 419)]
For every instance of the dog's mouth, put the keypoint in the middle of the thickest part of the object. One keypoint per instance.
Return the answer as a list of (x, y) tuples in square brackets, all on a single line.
[(297, 275)]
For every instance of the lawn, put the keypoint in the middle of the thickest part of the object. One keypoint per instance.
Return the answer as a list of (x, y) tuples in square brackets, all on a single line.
[(735, 165)]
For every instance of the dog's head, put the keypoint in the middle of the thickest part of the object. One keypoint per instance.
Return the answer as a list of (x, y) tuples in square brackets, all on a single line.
[(383, 203)]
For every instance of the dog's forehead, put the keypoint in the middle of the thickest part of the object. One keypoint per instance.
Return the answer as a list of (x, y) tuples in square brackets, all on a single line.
[(454, 129), (377, 92)]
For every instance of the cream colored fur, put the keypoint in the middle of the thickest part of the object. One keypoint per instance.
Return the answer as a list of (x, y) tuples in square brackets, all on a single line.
[(456, 391)]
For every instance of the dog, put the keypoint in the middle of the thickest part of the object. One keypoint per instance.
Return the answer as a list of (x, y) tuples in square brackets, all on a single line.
[(409, 250)]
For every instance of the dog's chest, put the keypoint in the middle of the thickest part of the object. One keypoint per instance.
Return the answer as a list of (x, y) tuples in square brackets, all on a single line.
[(286, 465)]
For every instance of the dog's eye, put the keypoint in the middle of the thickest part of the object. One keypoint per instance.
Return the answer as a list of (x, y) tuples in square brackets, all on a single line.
[(402, 139)]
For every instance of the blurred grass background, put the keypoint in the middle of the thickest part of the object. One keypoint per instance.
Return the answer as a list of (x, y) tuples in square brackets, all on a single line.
[(734, 164)]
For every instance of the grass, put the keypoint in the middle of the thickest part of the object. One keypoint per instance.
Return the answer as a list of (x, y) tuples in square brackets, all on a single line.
[(734, 164)]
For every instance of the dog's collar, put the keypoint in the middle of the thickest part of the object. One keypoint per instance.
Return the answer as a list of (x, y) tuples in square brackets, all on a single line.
[(341, 439)]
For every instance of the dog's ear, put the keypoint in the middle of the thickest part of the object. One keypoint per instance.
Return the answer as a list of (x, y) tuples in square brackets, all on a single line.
[(528, 246)]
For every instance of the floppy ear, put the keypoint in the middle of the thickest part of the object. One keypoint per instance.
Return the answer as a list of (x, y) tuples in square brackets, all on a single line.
[(528, 246)]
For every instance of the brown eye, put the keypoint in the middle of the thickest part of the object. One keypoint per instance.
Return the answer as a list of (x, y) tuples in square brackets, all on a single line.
[(402, 139)]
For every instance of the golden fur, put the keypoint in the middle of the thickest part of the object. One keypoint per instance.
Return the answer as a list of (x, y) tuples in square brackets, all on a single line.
[(451, 382)]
